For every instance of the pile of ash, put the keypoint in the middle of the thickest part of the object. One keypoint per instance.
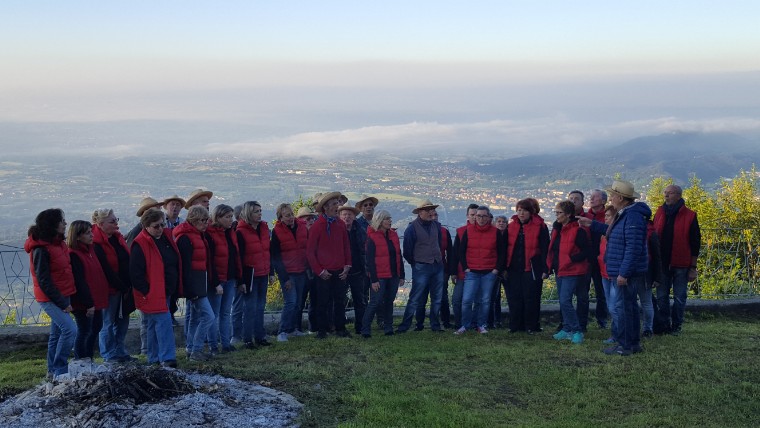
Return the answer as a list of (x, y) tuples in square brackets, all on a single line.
[(137, 396)]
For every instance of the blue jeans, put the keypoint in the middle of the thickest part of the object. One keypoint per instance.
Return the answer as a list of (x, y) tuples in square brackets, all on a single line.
[(63, 334), (567, 286), (678, 280), (88, 329), (114, 330), (582, 288), (456, 301), (221, 304), (252, 310), (647, 307), (631, 336), (614, 299), (290, 318), (201, 321), (381, 300), (424, 275), (477, 289), (160, 335)]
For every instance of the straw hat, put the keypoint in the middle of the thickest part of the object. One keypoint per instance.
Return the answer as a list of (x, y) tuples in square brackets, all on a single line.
[(623, 188), (348, 207), (423, 206), (315, 199), (174, 198), (197, 193), (326, 197), (364, 199), (305, 212), (146, 204)]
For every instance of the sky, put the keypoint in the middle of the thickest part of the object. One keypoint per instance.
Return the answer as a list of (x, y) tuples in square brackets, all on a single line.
[(343, 77)]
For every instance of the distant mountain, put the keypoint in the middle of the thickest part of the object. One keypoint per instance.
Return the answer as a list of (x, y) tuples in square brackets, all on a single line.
[(680, 155)]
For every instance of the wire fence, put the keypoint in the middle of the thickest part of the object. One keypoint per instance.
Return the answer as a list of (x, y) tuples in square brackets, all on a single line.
[(729, 267)]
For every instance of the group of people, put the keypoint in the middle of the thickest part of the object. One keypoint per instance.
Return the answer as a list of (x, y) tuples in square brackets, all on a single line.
[(222, 261)]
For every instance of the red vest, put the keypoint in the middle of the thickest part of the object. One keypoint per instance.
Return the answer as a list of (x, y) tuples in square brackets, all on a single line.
[(199, 259), (600, 257), (567, 248), (222, 252), (680, 256), (481, 247), (292, 248), (532, 232), (60, 267), (599, 216), (100, 238), (93, 274), (256, 249), (382, 255), (155, 301)]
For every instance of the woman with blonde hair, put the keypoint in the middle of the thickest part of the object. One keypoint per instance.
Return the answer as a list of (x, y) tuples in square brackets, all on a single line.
[(113, 254)]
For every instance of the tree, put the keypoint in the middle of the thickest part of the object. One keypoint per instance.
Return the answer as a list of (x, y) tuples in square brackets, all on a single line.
[(654, 195)]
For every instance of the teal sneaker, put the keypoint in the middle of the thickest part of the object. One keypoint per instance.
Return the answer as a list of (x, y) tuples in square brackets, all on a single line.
[(563, 335), (577, 338)]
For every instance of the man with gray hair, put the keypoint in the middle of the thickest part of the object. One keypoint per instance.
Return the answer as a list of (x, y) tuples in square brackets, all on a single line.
[(598, 200)]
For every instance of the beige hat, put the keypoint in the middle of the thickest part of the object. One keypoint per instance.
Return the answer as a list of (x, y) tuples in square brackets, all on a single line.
[(342, 199), (364, 199), (174, 198), (315, 199), (348, 206), (326, 197), (197, 193), (624, 189), (425, 205), (305, 212), (146, 204)]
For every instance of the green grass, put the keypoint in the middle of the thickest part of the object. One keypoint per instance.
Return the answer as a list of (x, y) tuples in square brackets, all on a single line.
[(709, 376)]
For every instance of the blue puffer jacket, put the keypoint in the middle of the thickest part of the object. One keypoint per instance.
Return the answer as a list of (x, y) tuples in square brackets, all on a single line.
[(626, 241)]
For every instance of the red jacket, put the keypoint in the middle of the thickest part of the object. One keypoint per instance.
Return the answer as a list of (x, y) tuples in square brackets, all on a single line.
[(330, 251), (60, 268), (382, 255), (221, 257), (256, 248), (100, 238), (293, 248), (600, 257), (199, 257), (481, 251), (155, 301), (532, 231), (94, 276), (680, 256), (567, 248)]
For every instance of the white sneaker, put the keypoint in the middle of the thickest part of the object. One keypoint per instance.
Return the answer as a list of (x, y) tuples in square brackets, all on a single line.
[(461, 330), (482, 330), (282, 337)]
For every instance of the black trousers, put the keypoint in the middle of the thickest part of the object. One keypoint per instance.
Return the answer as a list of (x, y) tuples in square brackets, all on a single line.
[(524, 300), (329, 297)]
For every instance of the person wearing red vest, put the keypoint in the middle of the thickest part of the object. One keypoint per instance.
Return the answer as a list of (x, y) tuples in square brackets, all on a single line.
[(113, 255), (50, 266), (288, 250), (92, 288), (612, 295), (226, 274), (568, 260), (482, 252), (385, 268), (156, 271), (251, 297), (329, 253), (456, 272), (193, 250), (680, 241), (527, 247)]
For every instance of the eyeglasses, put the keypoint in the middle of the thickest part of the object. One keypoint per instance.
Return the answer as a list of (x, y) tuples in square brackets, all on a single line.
[(156, 226), (114, 221)]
